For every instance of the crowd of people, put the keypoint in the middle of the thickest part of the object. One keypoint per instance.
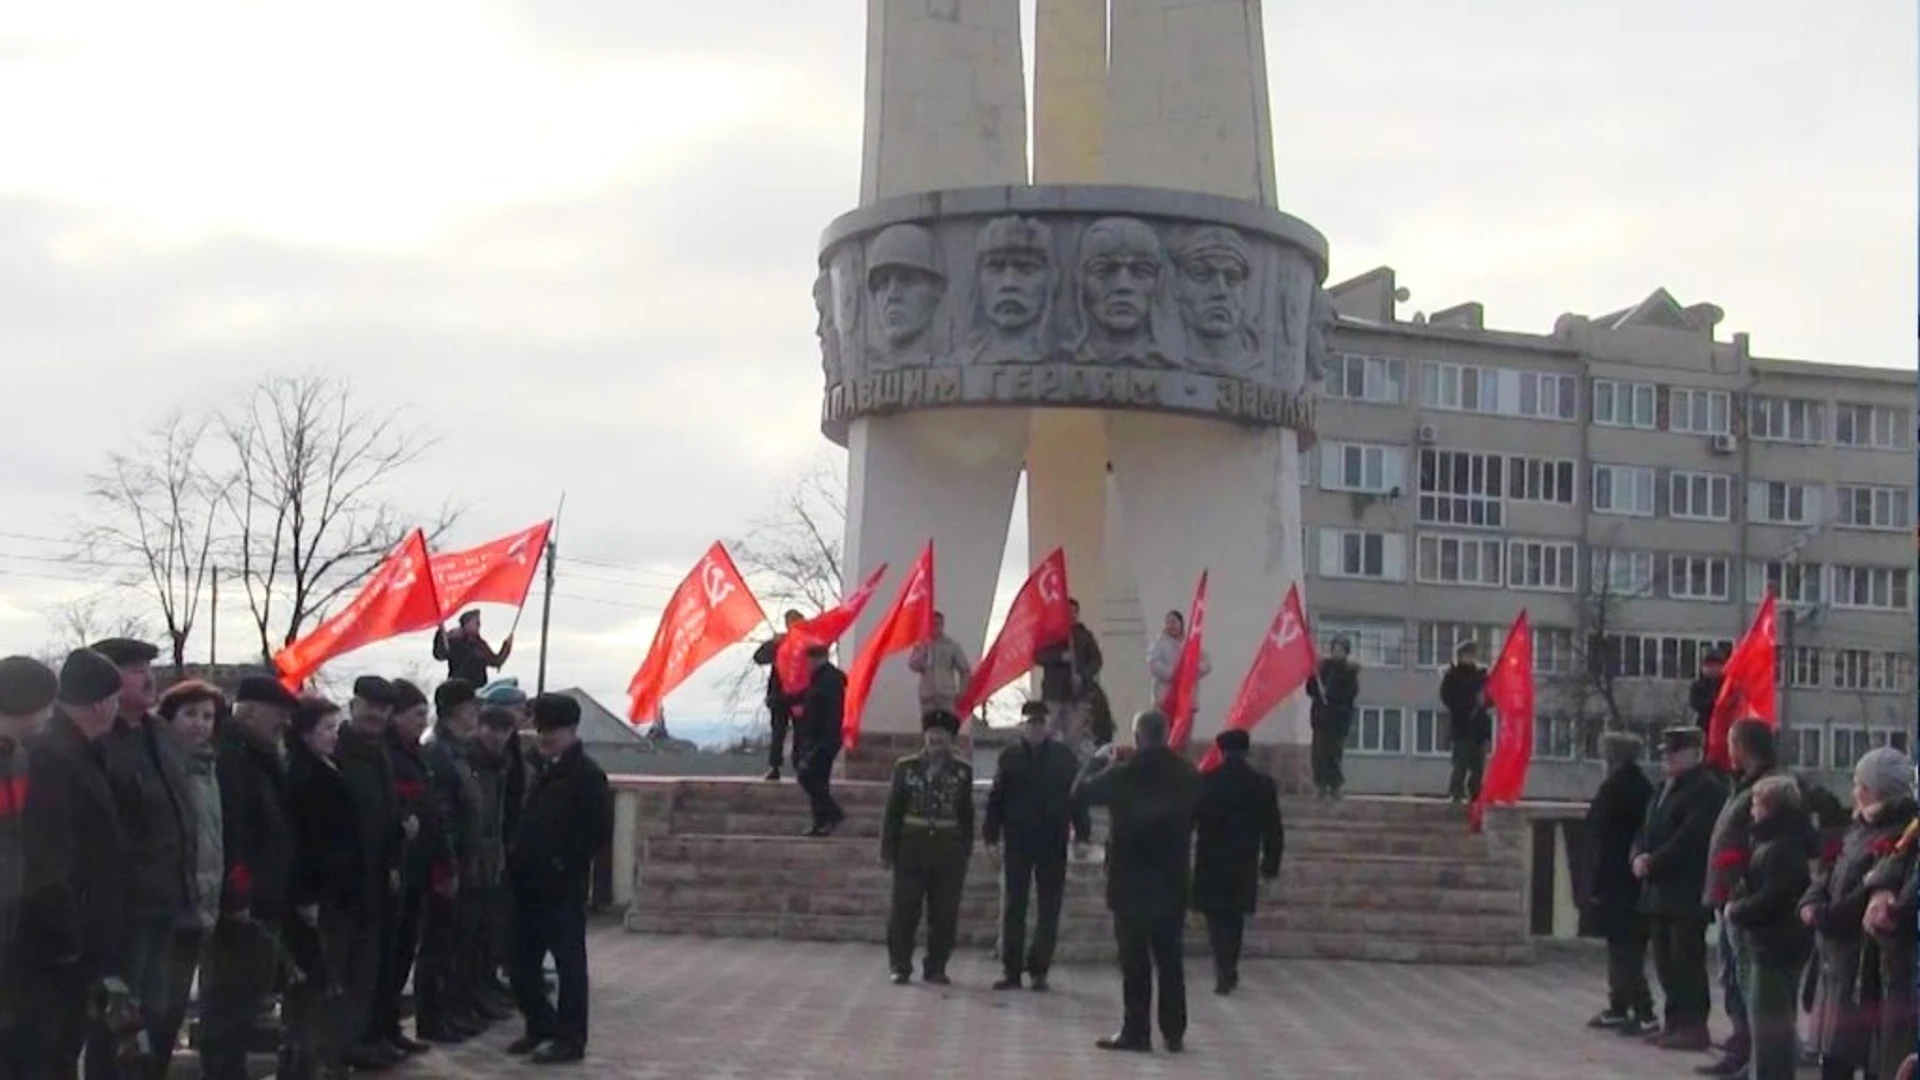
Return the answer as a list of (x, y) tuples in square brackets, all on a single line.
[(191, 851)]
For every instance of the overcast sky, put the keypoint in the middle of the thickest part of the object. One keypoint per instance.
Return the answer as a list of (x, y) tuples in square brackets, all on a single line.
[(575, 238)]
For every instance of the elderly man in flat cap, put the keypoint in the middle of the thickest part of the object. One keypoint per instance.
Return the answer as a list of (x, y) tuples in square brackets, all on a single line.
[(27, 690), (1670, 862), (241, 957), (368, 772), (73, 908), (567, 822), (1237, 832), (150, 783)]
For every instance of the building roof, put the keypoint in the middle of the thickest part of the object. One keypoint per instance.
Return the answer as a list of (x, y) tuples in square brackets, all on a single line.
[(599, 725)]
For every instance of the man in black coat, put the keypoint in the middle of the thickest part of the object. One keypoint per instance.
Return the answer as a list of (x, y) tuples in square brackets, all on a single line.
[(367, 769), (1614, 817), (467, 655), (1463, 692), (73, 901), (1333, 689), (242, 953), (156, 810), (443, 990), (27, 692), (1031, 805), (567, 822), (1150, 795), (1237, 831), (424, 846), (1705, 688), (816, 739), (779, 708), (1070, 681), (1670, 861)]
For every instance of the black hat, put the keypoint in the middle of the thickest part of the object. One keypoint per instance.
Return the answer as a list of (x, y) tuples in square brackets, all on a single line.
[(1033, 712), (87, 678), (26, 685), (126, 652), (552, 711), (452, 694), (499, 716), (470, 613), (373, 690), (1233, 741), (262, 690), (1677, 739), (942, 719), (406, 695), (1719, 654)]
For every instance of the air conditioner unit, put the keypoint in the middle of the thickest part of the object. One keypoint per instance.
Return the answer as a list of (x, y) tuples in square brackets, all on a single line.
[(1724, 444), (1427, 436)]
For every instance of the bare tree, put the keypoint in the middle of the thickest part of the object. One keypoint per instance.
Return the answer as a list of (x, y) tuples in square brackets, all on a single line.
[(307, 504), (155, 514), (1596, 683), (79, 623), (792, 557)]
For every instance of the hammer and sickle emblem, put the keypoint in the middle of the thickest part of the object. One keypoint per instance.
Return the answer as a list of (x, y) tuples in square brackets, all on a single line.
[(403, 578), (518, 552), (1049, 585), (713, 581), (1289, 631), (917, 589)]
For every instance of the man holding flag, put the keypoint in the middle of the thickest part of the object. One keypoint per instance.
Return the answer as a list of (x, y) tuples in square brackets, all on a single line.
[(467, 655)]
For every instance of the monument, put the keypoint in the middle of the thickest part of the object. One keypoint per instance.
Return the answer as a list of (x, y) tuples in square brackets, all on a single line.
[(1128, 318)]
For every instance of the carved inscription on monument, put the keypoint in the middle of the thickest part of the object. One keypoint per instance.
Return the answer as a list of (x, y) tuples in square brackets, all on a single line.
[(1055, 298)]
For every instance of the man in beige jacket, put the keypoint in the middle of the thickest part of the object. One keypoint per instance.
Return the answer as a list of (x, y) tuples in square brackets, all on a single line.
[(943, 668)]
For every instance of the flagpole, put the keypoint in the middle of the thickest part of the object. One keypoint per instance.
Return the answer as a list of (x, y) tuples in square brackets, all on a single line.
[(546, 601)]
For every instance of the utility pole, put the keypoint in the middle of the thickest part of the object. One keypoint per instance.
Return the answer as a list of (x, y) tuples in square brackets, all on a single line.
[(546, 614), (213, 621)]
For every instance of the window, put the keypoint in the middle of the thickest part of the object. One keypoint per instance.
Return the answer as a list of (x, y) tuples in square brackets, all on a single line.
[(1864, 507), (1431, 737), (1771, 502), (1850, 744), (1536, 395), (1553, 650), (1461, 488), (1375, 470), (1381, 380), (1378, 730), (1774, 419), (1621, 573), (1625, 404), (1874, 588), (1656, 656), (1697, 577), (1791, 582), (1351, 553), (1700, 412), (1799, 666), (1800, 747), (1458, 560), (1873, 427), (1555, 737), (1543, 480), (1623, 489), (1872, 670), (1377, 643), (1435, 642), (1542, 564), (1698, 496)]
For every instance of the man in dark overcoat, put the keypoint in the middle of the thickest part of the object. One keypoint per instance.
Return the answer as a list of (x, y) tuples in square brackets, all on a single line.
[(1237, 836), (1031, 806), (368, 772), (1614, 817), (1670, 862)]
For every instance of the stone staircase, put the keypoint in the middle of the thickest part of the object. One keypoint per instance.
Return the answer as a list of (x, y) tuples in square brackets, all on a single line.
[(1382, 880)]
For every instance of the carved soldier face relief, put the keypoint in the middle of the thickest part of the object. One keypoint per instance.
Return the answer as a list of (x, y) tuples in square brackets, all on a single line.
[(1210, 284), (1015, 271), (1120, 264), (905, 283)]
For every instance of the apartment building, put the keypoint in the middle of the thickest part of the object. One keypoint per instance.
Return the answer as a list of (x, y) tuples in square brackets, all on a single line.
[(1636, 484)]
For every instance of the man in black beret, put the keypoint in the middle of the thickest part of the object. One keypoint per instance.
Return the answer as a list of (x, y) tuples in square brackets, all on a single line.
[(1670, 862), (73, 907), (1031, 803), (238, 973), (567, 823), (27, 690), (149, 773), (816, 738), (424, 847), (926, 839), (443, 998), (1237, 837), (367, 770)]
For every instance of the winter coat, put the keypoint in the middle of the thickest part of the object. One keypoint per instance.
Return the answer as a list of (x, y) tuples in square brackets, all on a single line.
[(1150, 799), (14, 786), (1764, 901), (1237, 830), (567, 822), (1842, 1027), (149, 781), (414, 797), (943, 669), (468, 657), (489, 841), (823, 707), (776, 697), (1333, 690), (1463, 692), (330, 860), (1887, 960), (456, 798), (1678, 828), (1163, 663), (1701, 695), (209, 843), (253, 814), (1068, 671), (1031, 800), (368, 773), (1728, 851), (74, 898), (1614, 817)]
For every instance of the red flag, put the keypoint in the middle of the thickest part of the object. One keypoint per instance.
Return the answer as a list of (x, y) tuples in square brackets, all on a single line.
[(1282, 666), (398, 598), (1041, 616), (711, 609), (1182, 692), (1747, 689), (1510, 691), (907, 623), (499, 571), (823, 629)]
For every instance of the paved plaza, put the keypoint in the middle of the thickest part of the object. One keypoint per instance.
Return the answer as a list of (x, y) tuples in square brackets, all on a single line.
[(682, 1008)]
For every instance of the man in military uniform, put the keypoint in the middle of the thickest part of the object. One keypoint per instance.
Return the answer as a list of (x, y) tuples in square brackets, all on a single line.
[(926, 840)]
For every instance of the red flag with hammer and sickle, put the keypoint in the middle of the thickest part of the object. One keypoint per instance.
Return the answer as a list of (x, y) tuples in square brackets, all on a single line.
[(712, 609), (396, 599), (1041, 616), (499, 571), (907, 623), (790, 660), (1282, 666)]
